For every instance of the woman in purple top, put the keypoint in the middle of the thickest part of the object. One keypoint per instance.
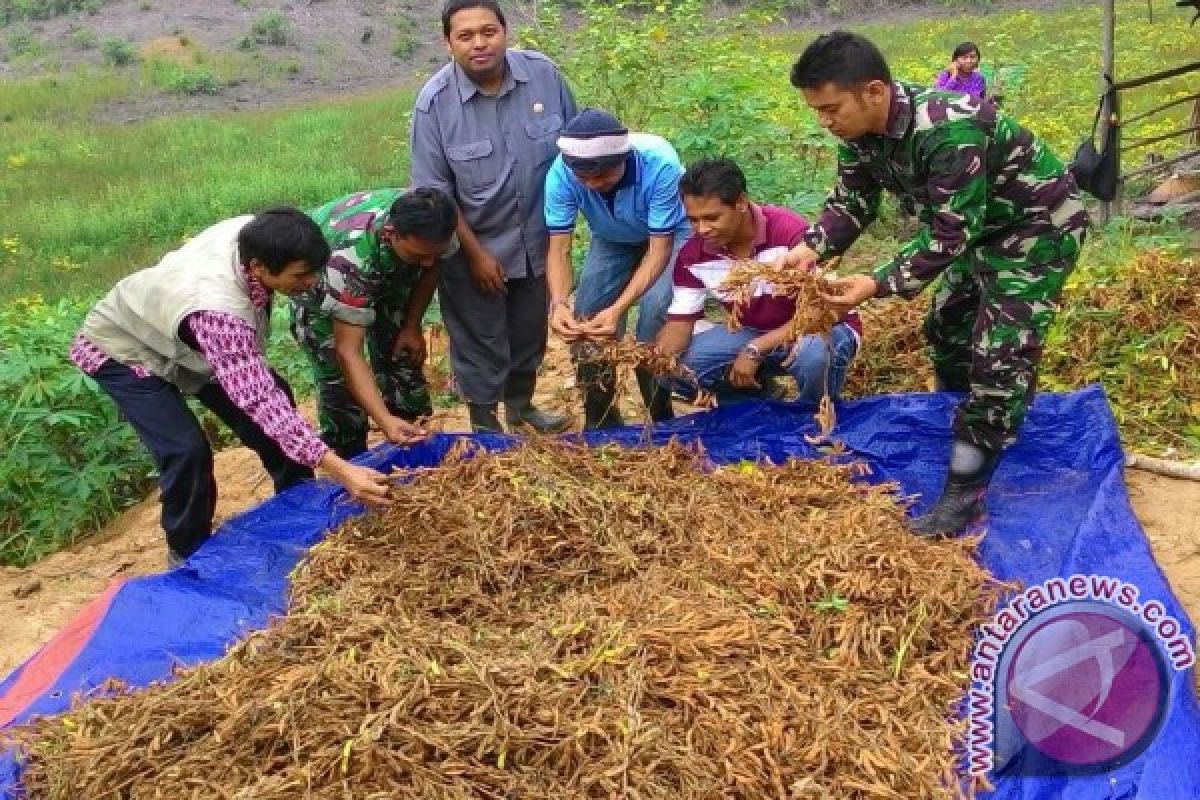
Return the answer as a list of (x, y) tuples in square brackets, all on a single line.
[(963, 73)]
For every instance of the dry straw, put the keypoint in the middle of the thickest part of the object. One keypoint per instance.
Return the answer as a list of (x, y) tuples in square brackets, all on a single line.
[(813, 315), (748, 277), (558, 622)]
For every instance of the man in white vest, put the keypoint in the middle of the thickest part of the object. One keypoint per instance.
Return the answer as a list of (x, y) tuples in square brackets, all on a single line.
[(197, 324)]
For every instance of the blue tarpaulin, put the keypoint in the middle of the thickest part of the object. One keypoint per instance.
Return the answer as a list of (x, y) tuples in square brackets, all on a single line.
[(1057, 507)]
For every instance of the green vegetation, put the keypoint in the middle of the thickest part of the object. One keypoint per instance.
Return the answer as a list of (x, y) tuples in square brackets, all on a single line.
[(17, 10), (137, 190), (86, 203), (404, 37), (69, 462), (84, 39), (117, 52), (271, 29), (181, 77), (21, 43)]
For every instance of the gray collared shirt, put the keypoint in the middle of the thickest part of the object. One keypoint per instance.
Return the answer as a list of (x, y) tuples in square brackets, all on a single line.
[(491, 153)]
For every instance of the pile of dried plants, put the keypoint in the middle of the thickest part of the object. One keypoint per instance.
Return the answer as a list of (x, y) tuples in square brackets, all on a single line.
[(893, 357), (1136, 330), (557, 622)]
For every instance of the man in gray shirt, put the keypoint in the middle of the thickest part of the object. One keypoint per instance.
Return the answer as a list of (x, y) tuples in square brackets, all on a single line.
[(485, 131)]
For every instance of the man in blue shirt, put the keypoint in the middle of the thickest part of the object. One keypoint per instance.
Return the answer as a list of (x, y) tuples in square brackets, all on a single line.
[(626, 186)]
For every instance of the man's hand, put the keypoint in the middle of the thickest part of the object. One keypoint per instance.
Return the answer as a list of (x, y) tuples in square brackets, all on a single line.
[(845, 293), (362, 483), (603, 325), (800, 257), (487, 274), (744, 372), (410, 341), (403, 432), (563, 322), (953, 68)]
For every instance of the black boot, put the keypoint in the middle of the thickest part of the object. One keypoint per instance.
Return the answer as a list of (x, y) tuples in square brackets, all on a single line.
[(961, 503), (599, 385), (483, 418), (656, 396), (520, 411)]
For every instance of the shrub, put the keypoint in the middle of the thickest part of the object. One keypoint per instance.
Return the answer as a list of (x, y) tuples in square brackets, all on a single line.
[(23, 43), (84, 38), (405, 41), (404, 45), (182, 78), (118, 52), (69, 462), (271, 29)]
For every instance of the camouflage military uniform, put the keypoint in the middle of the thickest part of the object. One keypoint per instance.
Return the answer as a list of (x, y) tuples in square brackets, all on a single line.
[(364, 284), (1002, 226)]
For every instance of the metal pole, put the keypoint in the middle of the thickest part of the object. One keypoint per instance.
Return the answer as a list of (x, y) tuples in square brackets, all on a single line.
[(1107, 66)]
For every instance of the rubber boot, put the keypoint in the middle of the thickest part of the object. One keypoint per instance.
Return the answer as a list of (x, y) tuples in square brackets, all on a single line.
[(483, 418), (656, 396), (599, 385), (519, 410), (961, 503)]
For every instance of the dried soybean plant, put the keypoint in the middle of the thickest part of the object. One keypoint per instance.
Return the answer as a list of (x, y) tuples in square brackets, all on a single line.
[(895, 361), (748, 278), (628, 352), (557, 622)]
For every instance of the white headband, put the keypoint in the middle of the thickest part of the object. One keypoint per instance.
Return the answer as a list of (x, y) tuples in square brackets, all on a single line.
[(595, 146)]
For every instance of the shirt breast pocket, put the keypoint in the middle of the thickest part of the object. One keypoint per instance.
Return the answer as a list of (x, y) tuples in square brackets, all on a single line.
[(544, 130), (476, 165)]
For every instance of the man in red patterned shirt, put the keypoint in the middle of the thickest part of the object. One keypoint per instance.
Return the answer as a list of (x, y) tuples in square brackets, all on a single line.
[(733, 364), (197, 323)]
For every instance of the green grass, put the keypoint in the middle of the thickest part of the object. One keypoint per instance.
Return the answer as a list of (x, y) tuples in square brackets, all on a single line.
[(87, 204), (1059, 53), (16, 10)]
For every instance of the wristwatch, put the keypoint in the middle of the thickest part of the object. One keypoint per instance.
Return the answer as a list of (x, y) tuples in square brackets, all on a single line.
[(751, 350)]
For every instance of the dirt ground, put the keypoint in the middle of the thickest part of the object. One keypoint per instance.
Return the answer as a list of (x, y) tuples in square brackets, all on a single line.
[(38, 600)]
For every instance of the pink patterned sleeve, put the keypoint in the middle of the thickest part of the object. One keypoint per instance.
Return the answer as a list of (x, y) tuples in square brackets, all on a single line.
[(86, 355), (231, 349), (89, 358)]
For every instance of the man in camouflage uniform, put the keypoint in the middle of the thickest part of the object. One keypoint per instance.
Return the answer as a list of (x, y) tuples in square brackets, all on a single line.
[(386, 245), (1002, 227)]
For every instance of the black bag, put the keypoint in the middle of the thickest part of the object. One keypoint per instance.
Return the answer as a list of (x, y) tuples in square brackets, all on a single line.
[(1098, 172)]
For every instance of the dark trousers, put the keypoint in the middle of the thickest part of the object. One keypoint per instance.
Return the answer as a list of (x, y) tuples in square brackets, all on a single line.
[(167, 427), (495, 339)]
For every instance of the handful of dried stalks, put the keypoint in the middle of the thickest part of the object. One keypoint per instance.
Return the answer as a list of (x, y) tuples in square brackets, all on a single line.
[(628, 352), (813, 313), (557, 622)]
